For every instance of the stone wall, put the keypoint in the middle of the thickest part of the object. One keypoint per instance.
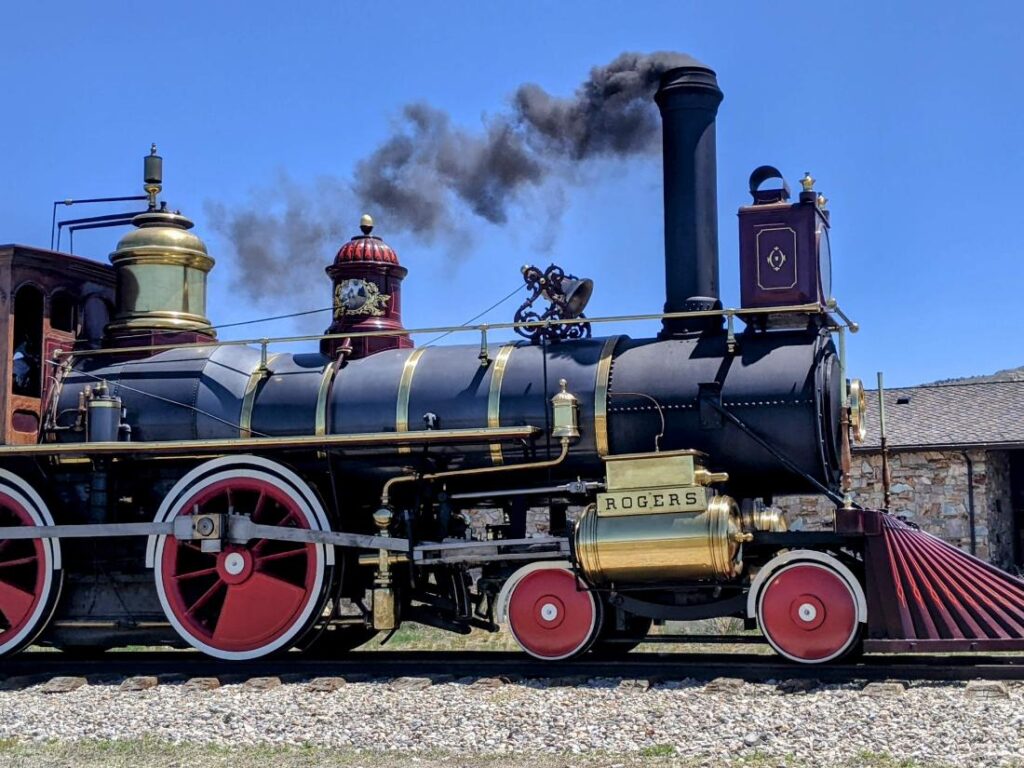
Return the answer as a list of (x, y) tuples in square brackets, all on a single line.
[(999, 508), (536, 521), (929, 488)]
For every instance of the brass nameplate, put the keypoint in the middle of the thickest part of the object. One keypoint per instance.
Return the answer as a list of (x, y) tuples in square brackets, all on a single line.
[(650, 470), (652, 501)]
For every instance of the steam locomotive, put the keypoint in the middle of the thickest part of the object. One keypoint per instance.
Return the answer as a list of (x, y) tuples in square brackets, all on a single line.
[(188, 491)]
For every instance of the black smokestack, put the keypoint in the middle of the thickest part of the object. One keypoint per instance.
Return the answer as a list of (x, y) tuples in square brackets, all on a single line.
[(688, 97), (429, 171)]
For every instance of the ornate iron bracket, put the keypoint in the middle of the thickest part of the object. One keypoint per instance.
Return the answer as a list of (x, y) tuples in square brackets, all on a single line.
[(557, 287)]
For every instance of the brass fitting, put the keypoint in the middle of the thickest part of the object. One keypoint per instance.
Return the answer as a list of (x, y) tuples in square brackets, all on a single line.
[(858, 410), (702, 476), (385, 603), (566, 408)]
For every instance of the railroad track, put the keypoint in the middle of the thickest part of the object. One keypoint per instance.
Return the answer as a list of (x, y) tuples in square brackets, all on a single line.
[(31, 667)]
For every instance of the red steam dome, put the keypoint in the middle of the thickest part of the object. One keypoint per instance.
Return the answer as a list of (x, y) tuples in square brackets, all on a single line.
[(366, 247), (366, 283)]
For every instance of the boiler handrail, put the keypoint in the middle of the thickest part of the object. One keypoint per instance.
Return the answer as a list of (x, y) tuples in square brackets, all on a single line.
[(264, 342)]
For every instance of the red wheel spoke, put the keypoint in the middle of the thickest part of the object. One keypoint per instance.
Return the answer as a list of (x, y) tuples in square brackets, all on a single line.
[(281, 555), (19, 561), (257, 609), (196, 574), (236, 603), (206, 597), (15, 603)]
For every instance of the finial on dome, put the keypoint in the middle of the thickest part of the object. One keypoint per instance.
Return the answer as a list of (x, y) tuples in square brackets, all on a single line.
[(366, 223), (152, 175)]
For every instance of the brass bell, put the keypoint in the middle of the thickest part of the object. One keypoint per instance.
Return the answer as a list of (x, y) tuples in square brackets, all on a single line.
[(577, 294)]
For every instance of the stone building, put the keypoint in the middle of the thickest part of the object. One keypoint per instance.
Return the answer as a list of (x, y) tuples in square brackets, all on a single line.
[(956, 458)]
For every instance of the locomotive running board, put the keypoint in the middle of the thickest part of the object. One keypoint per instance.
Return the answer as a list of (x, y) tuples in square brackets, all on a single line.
[(244, 445)]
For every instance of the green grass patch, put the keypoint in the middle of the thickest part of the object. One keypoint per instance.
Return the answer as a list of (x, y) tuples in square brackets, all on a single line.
[(153, 753), (658, 750)]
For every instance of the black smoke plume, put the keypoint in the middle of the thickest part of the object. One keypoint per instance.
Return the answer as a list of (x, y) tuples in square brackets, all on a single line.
[(422, 177)]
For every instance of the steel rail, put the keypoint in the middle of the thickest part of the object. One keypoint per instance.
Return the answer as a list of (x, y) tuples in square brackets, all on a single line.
[(31, 668)]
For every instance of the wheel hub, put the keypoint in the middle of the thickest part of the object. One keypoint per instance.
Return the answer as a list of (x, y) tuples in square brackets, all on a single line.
[(235, 565), (550, 612), (808, 612)]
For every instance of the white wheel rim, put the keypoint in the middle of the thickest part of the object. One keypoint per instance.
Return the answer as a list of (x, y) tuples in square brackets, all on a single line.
[(300, 623), (22, 494)]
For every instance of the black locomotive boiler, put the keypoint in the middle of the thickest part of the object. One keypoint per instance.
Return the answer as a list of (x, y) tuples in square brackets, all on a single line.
[(242, 501)]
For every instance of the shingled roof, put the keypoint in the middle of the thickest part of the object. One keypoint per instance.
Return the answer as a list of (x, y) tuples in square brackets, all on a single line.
[(949, 416)]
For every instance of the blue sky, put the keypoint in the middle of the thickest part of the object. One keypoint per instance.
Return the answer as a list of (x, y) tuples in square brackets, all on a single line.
[(908, 114)]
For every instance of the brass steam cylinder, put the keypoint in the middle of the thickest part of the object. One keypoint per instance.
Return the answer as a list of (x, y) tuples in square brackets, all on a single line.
[(161, 277), (673, 546), (761, 518)]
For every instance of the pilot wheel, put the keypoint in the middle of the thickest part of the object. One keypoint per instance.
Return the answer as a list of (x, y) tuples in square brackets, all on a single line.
[(551, 613), (810, 611)]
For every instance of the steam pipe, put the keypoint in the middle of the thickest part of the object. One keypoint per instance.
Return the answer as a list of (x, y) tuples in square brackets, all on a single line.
[(688, 98), (70, 201), (886, 477), (95, 222)]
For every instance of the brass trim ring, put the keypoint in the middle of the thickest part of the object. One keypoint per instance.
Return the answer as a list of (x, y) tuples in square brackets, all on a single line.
[(326, 380), (404, 391), (260, 372), (494, 398), (604, 370)]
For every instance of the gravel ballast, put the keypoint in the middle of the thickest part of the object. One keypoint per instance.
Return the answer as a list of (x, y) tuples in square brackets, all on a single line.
[(720, 724)]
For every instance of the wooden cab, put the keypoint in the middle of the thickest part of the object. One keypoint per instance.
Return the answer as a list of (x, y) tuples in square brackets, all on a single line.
[(49, 301)]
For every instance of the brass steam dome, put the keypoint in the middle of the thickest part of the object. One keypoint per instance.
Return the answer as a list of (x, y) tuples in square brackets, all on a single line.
[(161, 274)]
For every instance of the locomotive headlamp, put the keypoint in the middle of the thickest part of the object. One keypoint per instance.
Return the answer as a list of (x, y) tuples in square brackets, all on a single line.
[(785, 257), (858, 410)]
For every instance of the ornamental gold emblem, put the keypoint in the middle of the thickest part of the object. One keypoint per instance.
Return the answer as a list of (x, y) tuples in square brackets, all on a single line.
[(359, 297), (776, 259)]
